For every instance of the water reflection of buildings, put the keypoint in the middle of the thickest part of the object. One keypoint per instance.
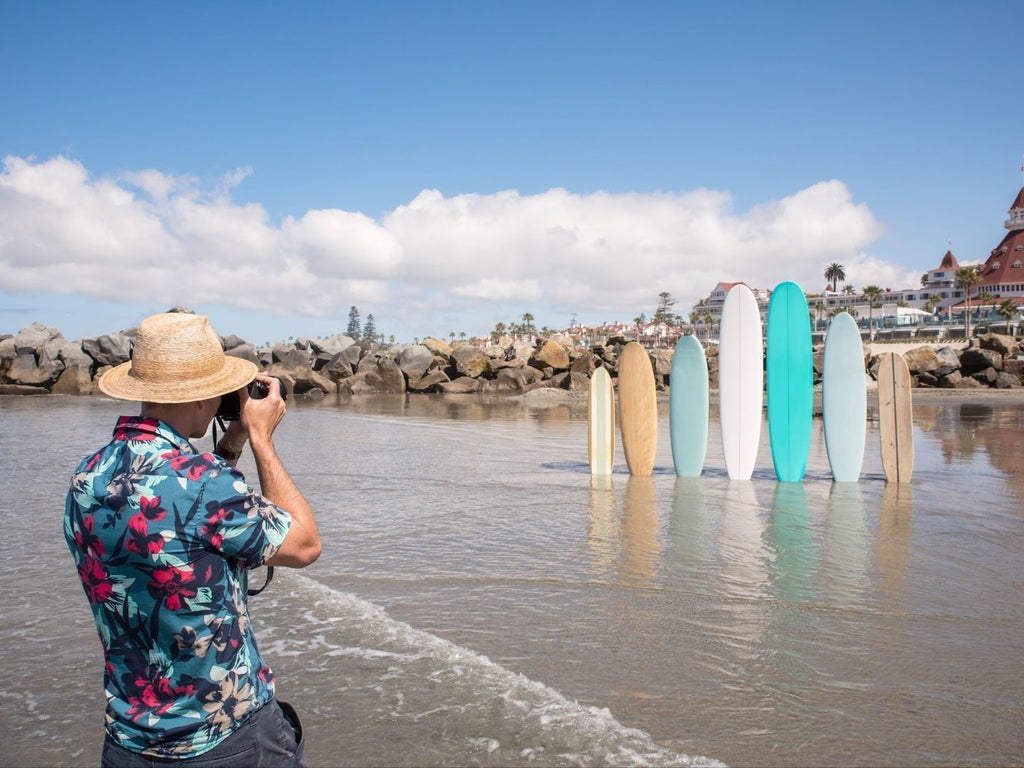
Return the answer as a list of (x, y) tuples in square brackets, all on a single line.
[(964, 429)]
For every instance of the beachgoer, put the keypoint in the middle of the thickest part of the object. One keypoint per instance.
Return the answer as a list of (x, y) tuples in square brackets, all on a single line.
[(164, 535)]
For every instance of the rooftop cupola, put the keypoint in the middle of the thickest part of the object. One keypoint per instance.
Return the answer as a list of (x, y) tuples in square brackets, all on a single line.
[(1016, 220)]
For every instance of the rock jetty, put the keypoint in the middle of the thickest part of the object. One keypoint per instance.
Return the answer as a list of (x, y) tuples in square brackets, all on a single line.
[(39, 360)]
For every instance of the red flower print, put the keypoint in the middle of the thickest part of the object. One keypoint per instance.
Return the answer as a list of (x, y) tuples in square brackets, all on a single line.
[(154, 694), (195, 465), (94, 578), (171, 585), (211, 528), (88, 542), (139, 540), (151, 508)]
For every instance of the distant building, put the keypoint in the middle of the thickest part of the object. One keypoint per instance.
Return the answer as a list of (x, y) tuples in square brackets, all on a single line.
[(938, 297)]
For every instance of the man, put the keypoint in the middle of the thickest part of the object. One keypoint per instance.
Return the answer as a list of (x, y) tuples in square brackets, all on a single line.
[(163, 536)]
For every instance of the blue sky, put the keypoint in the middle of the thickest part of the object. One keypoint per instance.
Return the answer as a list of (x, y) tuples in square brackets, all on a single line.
[(449, 165)]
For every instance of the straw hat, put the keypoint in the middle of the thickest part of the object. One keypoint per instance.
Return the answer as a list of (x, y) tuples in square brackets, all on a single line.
[(177, 358)]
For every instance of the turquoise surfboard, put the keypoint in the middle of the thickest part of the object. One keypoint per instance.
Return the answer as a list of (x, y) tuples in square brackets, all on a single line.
[(688, 407), (790, 373), (844, 398)]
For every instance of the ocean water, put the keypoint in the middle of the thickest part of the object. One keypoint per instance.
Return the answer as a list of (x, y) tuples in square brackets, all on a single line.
[(482, 601)]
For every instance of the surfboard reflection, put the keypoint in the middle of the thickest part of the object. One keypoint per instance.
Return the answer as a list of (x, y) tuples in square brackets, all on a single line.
[(641, 546), (892, 547), (844, 554)]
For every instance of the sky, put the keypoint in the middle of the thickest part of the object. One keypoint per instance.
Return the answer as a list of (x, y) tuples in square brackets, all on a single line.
[(447, 166)]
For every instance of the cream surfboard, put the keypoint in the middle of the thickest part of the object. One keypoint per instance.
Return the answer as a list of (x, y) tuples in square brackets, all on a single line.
[(638, 409), (844, 398), (740, 381), (601, 424), (895, 418), (688, 407)]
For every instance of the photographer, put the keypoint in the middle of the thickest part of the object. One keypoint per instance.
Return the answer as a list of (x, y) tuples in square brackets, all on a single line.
[(164, 535)]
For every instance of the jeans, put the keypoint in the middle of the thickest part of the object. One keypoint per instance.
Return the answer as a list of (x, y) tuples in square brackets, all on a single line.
[(271, 737)]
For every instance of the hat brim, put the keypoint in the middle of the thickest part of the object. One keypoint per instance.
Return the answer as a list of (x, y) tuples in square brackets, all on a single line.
[(119, 383)]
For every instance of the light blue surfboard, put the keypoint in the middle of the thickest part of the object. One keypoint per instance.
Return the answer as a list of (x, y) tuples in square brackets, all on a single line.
[(844, 398), (688, 407), (790, 373)]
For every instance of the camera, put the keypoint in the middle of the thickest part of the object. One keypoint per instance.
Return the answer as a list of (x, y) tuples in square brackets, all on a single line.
[(231, 405)]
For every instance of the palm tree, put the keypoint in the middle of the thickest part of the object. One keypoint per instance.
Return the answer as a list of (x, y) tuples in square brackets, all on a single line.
[(694, 317), (967, 278), (1007, 309), (638, 322), (835, 274), (849, 289), (710, 320), (528, 324), (872, 293), (819, 309)]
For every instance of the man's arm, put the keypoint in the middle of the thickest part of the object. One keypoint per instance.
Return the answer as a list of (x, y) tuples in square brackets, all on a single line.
[(301, 545)]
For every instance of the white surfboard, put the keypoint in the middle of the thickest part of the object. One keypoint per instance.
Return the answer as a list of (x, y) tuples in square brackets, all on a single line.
[(844, 398), (740, 381)]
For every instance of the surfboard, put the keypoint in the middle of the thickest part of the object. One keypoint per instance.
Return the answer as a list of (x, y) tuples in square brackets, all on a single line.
[(638, 409), (895, 418), (790, 390), (688, 407), (740, 381), (844, 398), (601, 424)]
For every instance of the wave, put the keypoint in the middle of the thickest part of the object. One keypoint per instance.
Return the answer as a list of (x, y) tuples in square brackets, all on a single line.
[(377, 691)]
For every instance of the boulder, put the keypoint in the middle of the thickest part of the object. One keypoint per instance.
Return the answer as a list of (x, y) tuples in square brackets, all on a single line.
[(428, 382), (947, 361), (584, 362), (385, 378), (1006, 346), (975, 359), (573, 382), (1014, 366), (550, 354), (291, 355), (438, 347), (110, 349), (331, 345), (470, 361), (921, 360), (662, 361), (337, 368), (244, 351), (951, 380), (32, 337), (968, 383), (1007, 381), (464, 385), (986, 376), (415, 360), (29, 371)]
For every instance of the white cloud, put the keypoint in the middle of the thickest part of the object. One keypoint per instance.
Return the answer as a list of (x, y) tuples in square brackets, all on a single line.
[(599, 255)]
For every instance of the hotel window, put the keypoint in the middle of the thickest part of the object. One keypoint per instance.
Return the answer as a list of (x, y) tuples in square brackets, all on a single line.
[(1016, 264)]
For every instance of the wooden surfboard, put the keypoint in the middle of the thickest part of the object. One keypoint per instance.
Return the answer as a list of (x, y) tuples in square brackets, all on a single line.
[(740, 381), (895, 418), (688, 407), (601, 424), (844, 398), (790, 389), (638, 409)]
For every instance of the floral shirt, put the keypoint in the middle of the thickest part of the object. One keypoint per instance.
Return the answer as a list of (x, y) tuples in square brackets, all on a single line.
[(163, 536)]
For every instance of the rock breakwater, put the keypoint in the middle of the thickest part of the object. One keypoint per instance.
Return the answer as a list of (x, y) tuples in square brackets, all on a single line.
[(39, 360)]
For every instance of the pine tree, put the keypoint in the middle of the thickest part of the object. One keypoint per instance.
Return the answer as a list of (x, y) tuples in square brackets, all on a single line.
[(370, 328), (353, 324)]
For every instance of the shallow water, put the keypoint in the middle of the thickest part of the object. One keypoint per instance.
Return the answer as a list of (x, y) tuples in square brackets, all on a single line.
[(481, 601)]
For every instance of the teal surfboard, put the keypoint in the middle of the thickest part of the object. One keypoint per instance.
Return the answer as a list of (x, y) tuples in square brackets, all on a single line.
[(844, 398), (790, 373), (689, 407)]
